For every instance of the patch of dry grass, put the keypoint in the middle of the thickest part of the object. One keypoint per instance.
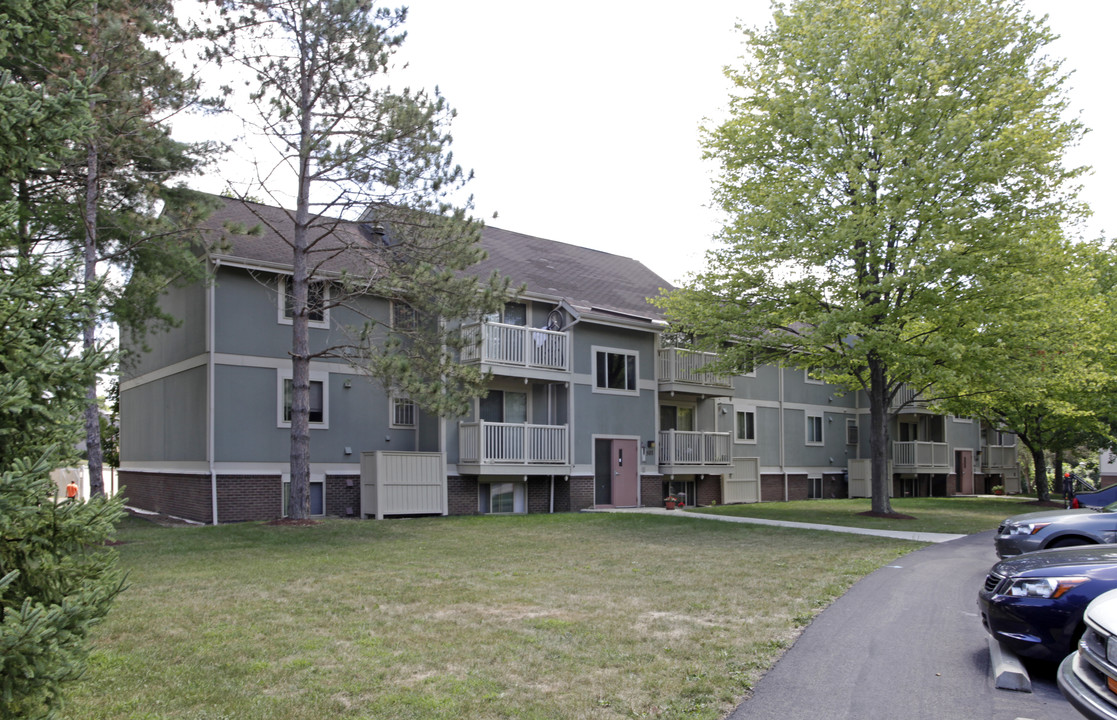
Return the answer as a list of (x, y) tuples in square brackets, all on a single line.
[(565, 616)]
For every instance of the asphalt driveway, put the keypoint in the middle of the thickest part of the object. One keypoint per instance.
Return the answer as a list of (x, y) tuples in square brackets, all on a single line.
[(905, 642)]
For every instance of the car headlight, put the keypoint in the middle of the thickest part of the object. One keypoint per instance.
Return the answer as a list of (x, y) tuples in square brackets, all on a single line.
[(1025, 529), (1043, 587)]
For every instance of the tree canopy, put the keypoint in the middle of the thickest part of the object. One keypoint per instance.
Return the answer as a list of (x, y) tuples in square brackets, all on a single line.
[(889, 170)]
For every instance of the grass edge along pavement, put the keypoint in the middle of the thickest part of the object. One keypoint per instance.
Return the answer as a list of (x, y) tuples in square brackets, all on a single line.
[(956, 515), (539, 616)]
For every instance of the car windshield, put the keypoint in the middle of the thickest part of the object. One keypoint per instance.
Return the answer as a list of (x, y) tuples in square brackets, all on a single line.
[(1111, 507)]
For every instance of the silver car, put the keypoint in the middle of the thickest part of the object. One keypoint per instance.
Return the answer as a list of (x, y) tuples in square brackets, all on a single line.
[(1088, 678), (1056, 528)]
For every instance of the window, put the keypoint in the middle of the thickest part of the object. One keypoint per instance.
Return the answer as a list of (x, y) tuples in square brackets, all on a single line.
[(851, 431), (514, 314), (317, 497), (403, 413), (319, 399), (746, 425), (504, 407), (317, 294), (814, 429), (502, 498), (404, 317), (672, 417), (615, 371), (813, 376)]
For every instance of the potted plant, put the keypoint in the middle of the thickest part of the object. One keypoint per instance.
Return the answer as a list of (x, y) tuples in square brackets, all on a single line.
[(670, 501), (998, 489)]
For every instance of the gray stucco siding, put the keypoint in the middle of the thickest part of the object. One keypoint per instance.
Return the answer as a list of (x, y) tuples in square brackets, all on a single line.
[(165, 420), (187, 305), (249, 323), (248, 425), (608, 414), (587, 336)]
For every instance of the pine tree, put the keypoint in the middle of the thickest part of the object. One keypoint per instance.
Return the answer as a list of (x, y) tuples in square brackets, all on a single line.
[(353, 148)]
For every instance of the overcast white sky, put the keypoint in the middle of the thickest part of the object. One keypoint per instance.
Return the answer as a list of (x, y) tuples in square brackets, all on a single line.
[(580, 119)]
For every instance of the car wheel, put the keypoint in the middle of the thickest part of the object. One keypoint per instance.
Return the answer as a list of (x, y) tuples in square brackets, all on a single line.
[(1070, 542)]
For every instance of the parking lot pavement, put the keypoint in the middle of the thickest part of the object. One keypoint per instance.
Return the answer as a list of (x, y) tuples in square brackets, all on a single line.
[(905, 642)]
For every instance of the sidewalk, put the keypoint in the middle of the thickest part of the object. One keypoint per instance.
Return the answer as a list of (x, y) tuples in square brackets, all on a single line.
[(927, 537)]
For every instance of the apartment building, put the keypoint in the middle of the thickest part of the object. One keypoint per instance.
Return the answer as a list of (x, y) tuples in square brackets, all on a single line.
[(589, 405)]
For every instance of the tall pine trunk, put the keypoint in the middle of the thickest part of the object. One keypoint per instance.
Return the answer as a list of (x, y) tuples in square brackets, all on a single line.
[(89, 333)]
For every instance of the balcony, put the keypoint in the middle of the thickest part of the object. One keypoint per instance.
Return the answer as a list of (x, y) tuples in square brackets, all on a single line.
[(512, 448), (516, 350), (921, 457), (684, 371), (699, 453), (998, 458), (908, 399)]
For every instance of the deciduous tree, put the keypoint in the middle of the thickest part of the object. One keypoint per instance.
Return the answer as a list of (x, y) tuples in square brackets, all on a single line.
[(888, 169)]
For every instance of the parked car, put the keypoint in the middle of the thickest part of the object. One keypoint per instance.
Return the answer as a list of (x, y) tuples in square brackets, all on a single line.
[(1056, 528), (1098, 498), (1033, 603), (1088, 677)]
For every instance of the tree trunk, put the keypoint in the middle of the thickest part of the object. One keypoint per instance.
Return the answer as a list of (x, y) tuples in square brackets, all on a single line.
[(1043, 491), (89, 333), (1058, 463), (298, 506), (878, 437)]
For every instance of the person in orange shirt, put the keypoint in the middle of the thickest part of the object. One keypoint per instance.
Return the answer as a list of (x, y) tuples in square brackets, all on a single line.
[(72, 491)]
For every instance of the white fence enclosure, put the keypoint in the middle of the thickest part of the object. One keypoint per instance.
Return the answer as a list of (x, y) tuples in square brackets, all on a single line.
[(403, 483)]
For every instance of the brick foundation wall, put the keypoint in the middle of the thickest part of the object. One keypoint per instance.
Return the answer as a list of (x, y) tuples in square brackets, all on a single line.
[(581, 493), (708, 488), (771, 488), (343, 495), (797, 487), (651, 490), (244, 498), (562, 494), (461, 494), (835, 486), (184, 496)]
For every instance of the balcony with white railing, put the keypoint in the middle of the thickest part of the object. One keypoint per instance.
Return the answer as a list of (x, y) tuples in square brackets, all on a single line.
[(492, 447), (499, 345), (684, 451), (907, 399), (921, 456), (683, 370), (998, 458)]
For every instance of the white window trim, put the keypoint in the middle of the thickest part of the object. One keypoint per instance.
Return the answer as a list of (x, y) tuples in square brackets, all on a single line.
[(594, 350), (852, 423), (324, 323), (821, 429), (810, 380), (283, 375), (755, 427), (393, 399)]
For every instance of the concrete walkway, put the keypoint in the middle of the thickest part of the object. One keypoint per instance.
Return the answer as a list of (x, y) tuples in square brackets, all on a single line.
[(927, 537)]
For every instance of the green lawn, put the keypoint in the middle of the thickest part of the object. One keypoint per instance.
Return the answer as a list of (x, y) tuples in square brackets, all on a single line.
[(965, 515), (543, 616)]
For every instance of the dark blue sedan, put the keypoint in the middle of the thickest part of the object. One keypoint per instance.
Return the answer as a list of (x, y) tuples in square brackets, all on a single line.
[(1033, 603)]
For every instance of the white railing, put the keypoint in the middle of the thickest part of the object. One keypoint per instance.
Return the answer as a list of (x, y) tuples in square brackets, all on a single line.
[(687, 366), (999, 456), (487, 443), (503, 344), (907, 398), (919, 454), (682, 447)]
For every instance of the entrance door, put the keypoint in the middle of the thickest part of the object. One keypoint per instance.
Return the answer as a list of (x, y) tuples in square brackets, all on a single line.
[(963, 471), (616, 472)]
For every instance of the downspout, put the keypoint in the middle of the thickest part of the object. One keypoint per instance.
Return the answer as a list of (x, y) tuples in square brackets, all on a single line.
[(783, 433), (211, 417)]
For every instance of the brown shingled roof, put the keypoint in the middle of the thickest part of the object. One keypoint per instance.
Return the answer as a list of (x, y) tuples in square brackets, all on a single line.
[(589, 280)]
